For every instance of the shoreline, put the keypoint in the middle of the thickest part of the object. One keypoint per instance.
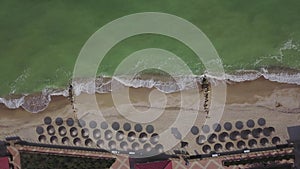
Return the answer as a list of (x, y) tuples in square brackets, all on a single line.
[(162, 82)]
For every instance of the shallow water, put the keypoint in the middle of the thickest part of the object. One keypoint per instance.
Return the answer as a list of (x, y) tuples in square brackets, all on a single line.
[(39, 42)]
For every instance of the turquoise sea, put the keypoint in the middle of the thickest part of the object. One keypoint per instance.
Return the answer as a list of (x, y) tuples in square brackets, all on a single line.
[(40, 40)]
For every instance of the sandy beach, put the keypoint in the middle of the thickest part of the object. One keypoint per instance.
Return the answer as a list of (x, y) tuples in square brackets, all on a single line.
[(277, 103)]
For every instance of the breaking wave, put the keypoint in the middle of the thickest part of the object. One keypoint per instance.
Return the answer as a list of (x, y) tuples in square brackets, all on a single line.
[(38, 102)]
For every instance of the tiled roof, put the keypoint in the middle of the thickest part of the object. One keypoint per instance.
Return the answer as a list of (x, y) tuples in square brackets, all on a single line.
[(155, 165), (4, 163)]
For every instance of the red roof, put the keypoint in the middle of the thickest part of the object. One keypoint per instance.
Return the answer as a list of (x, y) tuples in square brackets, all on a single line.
[(154, 165), (4, 163)]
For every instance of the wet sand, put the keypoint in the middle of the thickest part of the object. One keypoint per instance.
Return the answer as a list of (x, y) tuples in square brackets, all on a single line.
[(277, 103)]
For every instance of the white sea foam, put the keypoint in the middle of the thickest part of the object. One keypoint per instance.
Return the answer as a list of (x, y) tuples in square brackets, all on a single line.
[(12, 103), (289, 78), (284, 78), (39, 102)]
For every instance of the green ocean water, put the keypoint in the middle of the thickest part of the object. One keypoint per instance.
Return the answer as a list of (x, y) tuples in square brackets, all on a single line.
[(40, 40)]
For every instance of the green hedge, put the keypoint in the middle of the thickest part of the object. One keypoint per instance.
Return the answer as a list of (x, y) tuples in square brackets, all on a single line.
[(47, 161)]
